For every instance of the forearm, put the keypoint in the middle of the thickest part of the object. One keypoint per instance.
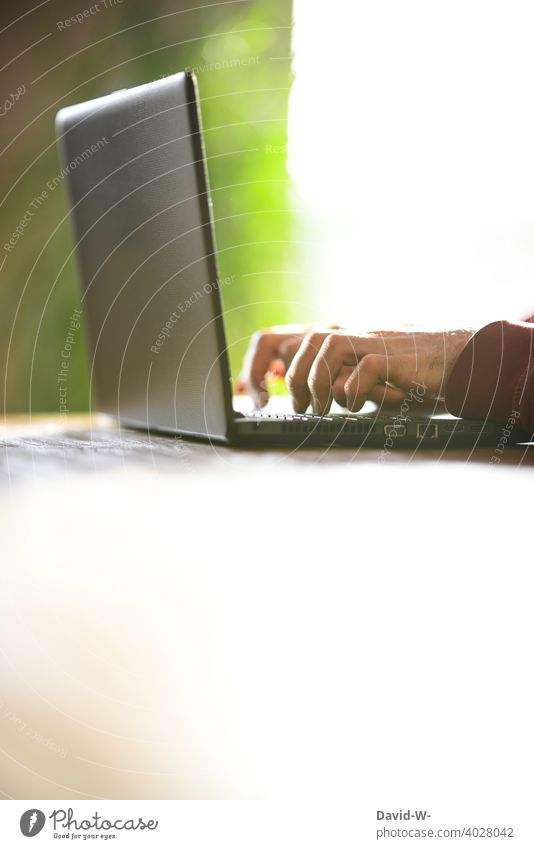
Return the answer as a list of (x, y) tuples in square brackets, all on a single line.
[(494, 375)]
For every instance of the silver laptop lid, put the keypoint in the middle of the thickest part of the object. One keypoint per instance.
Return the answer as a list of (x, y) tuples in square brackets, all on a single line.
[(135, 168)]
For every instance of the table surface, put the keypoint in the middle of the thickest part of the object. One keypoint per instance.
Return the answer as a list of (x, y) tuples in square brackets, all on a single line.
[(46, 446), (180, 620)]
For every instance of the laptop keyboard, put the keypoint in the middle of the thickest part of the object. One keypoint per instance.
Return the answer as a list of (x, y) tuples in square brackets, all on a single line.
[(304, 417), (304, 423)]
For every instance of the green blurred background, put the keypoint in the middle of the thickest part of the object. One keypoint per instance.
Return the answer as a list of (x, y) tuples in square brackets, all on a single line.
[(240, 52)]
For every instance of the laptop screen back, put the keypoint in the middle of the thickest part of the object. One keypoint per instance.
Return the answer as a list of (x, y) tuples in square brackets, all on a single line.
[(143, 236)]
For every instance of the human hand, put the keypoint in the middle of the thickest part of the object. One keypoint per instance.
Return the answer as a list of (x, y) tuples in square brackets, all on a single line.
[(323, 365), (270, 352)]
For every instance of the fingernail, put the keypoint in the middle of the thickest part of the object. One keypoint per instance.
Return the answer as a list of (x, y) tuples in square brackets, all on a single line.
[(356, 404), (278, 368)]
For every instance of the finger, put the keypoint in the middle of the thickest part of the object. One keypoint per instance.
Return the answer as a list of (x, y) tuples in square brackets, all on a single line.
[(289, 347), (386, 396), (381, 394), (373, 370), (338, 387), (337, 350), (278, 368), (277, 343), (298, 373), (319, 381), (264, 348)]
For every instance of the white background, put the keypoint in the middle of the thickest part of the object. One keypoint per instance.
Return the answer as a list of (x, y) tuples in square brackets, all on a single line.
[(412, 148)]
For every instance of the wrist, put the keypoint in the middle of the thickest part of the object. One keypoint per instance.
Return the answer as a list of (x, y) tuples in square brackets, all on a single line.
[(455, 344)]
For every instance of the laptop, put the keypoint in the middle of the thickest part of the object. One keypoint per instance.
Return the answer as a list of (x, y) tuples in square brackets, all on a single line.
[(136, 172)]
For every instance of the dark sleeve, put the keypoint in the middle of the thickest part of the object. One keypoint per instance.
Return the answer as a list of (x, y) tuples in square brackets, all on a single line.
[(494, 375)]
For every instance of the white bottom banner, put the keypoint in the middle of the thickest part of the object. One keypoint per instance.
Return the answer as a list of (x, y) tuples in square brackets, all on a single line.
[(251, 825)]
